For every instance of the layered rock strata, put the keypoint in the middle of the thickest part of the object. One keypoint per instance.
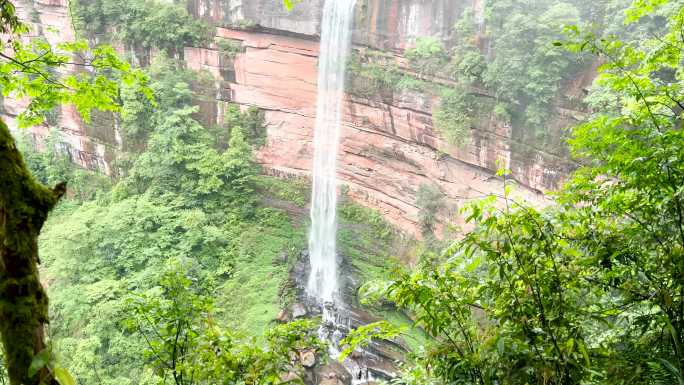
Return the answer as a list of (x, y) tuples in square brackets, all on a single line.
[(389, 145)]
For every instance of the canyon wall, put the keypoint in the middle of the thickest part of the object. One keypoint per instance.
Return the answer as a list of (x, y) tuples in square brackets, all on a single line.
[(389, 145), (92, 145)]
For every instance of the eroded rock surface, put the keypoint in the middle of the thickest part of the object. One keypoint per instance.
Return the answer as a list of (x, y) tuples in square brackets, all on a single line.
[(389, 145)]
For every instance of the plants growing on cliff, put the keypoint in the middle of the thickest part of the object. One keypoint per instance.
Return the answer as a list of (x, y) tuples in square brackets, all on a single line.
[(28, 71), (515, 62), (184, 195), (453, 117), (428, 56), (504, 65), (588, 291), (429, 200), (251, 122), (54, 165), (376, 73), (121, 241), (141, 24), (228, 47)]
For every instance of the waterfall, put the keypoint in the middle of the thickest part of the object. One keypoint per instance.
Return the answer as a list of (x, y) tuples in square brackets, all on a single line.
[(334, 50)]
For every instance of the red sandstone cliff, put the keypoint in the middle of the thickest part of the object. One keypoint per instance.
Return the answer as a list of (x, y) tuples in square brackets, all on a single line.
[(388, 148)]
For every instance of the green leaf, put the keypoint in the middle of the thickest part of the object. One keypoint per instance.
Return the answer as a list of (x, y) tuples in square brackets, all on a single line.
[(474, 264), (64, 377), (39, 361)]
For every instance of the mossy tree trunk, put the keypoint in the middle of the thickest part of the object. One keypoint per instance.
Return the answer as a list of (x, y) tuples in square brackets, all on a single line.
[(24, 206)]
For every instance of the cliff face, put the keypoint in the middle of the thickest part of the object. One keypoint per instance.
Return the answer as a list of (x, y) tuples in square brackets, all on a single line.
[(92, 145), (383, 24), (389, 146)]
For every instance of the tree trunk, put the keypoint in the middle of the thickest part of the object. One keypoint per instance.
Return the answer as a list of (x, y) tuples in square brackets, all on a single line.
[(24, 206)]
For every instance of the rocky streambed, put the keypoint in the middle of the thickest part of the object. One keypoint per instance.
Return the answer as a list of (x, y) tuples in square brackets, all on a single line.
[(366, 366)]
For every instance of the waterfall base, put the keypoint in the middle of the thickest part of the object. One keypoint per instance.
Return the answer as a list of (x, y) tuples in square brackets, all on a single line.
[(364, 366)]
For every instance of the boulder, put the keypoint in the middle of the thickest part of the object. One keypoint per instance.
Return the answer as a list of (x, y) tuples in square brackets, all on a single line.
[(283, 316), (331, 381), (290, 377), (356, 355), (333, 373), (298, 310), (307, 358)]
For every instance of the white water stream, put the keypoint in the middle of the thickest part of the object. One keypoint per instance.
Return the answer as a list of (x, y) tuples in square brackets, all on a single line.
[(336, 32), (323, 283)]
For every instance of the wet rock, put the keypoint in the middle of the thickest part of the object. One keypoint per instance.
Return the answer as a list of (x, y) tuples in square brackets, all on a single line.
[(307, 358), (281, 259), (356, 355), (298, 310), (333, 373), (331, 381), (290, 377), (283, 316)]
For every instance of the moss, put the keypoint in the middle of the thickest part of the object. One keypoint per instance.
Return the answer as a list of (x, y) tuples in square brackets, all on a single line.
[(367, 241), (296, 191), (230, 48), (24, 206), (262, 258)]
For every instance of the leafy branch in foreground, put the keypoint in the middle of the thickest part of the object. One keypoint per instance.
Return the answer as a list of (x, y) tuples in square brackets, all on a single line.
[(185, 345), (29, 69), (591, 290), (363, 335)]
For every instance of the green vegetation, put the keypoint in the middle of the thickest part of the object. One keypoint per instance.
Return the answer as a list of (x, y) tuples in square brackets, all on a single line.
[(251, 122), (428, 56), (141, 24), (504, 66), (294, 191), (188, 198), (173, 270), (188, 346), (588, 291), (527, 71), (228, 47), (54, 165), (429, 200), (179, 222), (366, 239), (27, 71), (376, 74)]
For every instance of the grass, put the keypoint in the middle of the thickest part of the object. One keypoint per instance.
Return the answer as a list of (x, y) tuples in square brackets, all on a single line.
[(296, 191), (251, 298), (369, 241)]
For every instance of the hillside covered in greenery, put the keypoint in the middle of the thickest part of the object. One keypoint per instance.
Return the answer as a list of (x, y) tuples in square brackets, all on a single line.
[(187, 264)]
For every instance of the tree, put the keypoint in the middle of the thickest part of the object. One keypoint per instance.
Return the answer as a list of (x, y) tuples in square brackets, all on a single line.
[(185, 345), (24, 206), (27, 71), (590, 290)]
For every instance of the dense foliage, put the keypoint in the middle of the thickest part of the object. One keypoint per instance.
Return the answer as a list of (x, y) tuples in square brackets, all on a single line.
[(210, 224), (501, 65), (140, 24), (28, 68), (173, 271), (590, 290), (188, 204), (184, 198)]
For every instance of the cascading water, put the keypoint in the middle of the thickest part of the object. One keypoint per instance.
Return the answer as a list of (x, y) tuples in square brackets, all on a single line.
[(334, 50), (323, 283)]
